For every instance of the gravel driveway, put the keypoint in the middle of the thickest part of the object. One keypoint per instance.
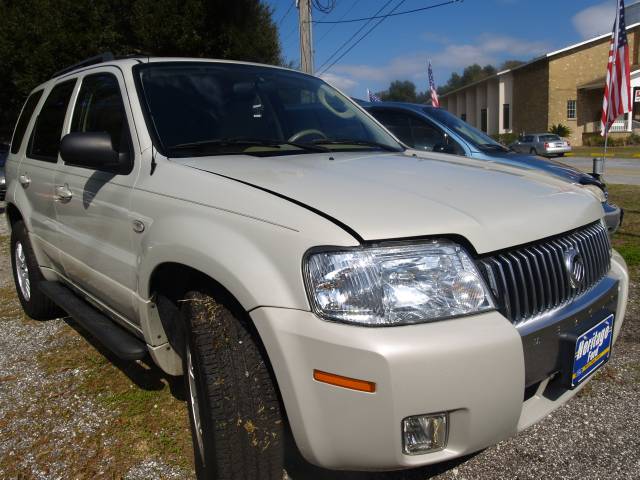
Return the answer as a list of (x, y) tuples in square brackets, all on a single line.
[(51, 429)]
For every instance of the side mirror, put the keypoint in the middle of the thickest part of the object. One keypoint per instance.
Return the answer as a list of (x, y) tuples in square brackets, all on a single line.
[(93, 150)]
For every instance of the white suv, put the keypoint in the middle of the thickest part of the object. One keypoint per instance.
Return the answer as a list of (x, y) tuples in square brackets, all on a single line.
[(253, 228)]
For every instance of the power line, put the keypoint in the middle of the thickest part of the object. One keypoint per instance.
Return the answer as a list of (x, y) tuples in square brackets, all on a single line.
[(333, 26), (328, 8), (353, 20), (287, 13), (353, 36), (373, 28), (364, 35)]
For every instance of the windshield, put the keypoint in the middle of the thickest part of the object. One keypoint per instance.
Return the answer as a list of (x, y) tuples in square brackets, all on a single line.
[(206, 108), (550, 138), (472, 135)]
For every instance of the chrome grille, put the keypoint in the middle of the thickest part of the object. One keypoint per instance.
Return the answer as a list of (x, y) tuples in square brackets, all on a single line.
[(531, 280)]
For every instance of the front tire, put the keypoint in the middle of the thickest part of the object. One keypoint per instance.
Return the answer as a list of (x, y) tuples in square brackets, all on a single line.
[(27, 277), (234, 409)]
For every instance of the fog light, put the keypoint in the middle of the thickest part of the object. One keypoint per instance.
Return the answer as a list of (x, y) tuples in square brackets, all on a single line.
[(424, 433)]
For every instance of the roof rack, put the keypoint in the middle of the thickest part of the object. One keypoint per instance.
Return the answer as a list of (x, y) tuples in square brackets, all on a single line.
[(103, 57)]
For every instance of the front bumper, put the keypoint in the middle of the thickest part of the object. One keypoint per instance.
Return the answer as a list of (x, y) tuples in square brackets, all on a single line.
[(613, 215), (473, 368)]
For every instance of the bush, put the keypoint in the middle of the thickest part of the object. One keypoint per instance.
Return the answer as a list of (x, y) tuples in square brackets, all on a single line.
[(560, 130), (633, 139), (505, 138), (594, 141)]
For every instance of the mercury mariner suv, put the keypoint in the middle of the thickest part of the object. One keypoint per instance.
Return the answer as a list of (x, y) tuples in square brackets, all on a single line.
[(254, 230)]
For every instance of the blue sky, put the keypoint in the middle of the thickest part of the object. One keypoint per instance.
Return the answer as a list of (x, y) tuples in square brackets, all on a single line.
[(453, 36)]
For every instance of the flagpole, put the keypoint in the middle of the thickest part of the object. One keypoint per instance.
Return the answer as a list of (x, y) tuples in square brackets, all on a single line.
[(614, 55)]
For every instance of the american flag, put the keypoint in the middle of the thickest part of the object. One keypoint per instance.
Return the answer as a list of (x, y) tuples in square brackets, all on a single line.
[(432, 86), (373, 97), (617, 91)]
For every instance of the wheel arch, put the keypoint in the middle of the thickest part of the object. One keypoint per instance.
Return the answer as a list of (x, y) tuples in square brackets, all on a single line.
[(13, 215)]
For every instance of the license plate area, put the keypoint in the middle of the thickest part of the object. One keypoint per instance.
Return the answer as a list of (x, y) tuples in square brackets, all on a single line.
[(585, 349)]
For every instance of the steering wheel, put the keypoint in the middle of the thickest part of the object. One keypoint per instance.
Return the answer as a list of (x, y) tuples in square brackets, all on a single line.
[(303, 133), (322, 96)]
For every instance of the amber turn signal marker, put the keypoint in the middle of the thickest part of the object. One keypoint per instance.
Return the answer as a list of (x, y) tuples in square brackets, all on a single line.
[(344, 382)]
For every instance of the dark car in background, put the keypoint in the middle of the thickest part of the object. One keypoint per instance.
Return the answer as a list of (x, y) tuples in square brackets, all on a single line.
[(4, 153), (431, 129)]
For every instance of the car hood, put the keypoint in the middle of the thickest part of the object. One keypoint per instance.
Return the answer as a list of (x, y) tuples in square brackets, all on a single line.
[(548, 165), (552, 166), (383, 196)]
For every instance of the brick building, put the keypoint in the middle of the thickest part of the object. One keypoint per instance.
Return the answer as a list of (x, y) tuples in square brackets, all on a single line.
[(565, 86)]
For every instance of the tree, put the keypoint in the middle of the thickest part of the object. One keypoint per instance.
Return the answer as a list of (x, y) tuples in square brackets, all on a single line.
[(510, 64), (39, 37), (474, 73), (400, 91)]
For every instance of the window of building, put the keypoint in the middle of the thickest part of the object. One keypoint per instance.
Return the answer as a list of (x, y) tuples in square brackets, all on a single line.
[(483, 120), (571, 109), (506, 116), (45, 139), (23, 121)]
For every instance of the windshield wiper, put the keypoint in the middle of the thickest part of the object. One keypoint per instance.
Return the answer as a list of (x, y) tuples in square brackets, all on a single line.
[(245, 142), (226, 142), (350, 141)]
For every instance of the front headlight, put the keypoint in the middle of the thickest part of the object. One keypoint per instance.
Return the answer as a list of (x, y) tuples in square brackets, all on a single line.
[(395, 285), (597, 192), (2, 180)]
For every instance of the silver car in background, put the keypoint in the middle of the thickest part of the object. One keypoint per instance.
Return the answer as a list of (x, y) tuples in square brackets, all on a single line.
[(545, 144)]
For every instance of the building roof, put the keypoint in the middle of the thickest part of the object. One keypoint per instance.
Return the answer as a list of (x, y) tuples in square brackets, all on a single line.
[(537, 59)]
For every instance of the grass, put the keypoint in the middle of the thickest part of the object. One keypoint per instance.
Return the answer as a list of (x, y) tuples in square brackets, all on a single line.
[(627, 239), (622, 152), (150, 414)]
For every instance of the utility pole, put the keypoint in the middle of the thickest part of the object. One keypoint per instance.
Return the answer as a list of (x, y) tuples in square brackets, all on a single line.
[(306, 39)]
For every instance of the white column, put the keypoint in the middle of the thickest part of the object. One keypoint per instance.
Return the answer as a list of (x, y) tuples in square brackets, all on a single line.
[(494, 107)]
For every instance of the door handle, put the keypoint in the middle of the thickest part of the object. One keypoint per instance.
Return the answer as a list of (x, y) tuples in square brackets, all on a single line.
[(24, 180), (63, 193)]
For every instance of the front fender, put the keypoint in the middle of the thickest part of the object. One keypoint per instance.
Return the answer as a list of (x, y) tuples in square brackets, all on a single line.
[(258, 262)]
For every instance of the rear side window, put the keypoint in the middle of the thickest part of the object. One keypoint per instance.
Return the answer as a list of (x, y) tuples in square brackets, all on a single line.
[(23, 121), (550, 138), (99, 108), (45, 139)]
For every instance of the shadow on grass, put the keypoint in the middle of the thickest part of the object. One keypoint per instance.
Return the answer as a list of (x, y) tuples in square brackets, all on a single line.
[(144, 373)]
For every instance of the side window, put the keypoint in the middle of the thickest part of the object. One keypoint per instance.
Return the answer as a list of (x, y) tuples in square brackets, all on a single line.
[(397, 123), (45, 139), (23, 121), (426, 136), (99, 108)]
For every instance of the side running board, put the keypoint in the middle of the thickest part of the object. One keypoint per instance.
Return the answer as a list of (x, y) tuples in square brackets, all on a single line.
[(122, 343)]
